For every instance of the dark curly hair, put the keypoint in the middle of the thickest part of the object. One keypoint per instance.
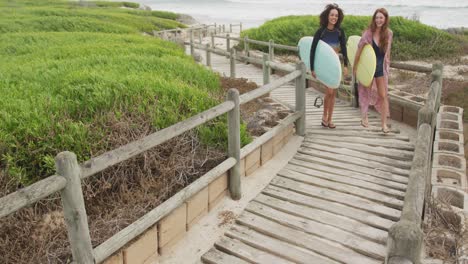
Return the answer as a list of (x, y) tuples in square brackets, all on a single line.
[(325, 13)]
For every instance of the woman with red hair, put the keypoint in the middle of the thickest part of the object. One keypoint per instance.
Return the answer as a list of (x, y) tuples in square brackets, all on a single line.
[(379, 35)]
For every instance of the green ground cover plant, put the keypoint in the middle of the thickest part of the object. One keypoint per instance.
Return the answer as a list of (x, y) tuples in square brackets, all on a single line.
[(412, 39), (66, 69)]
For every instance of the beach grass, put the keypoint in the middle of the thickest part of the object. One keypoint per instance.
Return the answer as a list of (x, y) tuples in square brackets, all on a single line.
[(412, 40), (68, 71)]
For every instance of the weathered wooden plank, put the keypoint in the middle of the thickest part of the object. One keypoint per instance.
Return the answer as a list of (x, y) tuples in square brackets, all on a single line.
[(353, 161), (346, 239), (320, 246), (31, 194), (314, 124), (326, 218), (350, 174), (381, 142), (351, 167), (312, 149), (361, 134), (343, 118), (214, 256), (344, 188), (376, 151), (366, 217), (343, 109), (275, 246), (347, 180), (243, 251), (338, 197), (342, 114)]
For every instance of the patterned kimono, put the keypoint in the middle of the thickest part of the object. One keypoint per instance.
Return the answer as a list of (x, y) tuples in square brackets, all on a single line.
[(370, 96)]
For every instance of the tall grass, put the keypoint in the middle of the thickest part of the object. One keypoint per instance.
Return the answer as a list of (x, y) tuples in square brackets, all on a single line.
[(412, 40), (67, 69)]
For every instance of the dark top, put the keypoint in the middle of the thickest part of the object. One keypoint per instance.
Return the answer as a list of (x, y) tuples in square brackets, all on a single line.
[(336, 38), (380, 59)]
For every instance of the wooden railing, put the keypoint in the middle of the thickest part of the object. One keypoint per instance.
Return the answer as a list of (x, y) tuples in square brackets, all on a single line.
[(270, 64), (69, 173), (405, 237)]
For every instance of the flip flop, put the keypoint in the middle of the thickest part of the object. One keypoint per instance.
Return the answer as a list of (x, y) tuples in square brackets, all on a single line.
[(324, 124), (385, 130), (331, 125), (366, 125)]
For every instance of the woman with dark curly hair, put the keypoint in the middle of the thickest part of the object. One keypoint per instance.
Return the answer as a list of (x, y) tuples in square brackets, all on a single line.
[(331, 33), (379, 35)]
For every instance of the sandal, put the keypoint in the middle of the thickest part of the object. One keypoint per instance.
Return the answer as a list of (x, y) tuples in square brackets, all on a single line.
[(366, 125), (324, 124), (385, 130), (331, 125)]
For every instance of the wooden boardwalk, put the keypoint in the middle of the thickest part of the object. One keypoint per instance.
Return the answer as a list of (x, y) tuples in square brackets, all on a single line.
[(333, 202)]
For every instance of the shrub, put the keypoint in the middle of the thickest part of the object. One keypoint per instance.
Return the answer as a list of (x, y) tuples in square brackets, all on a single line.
[(412, 40)]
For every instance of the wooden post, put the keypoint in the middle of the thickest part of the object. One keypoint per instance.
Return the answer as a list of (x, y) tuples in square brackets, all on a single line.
[(246, 46), (224, 28), (234, 145), (437, 70), (228, 43), (266, 69), (212, 41), (271, 50), (215, 28), (233, 63), (192, 48), (300, 99), (200, 35), (230, 28), (208, 55), (74, 208)]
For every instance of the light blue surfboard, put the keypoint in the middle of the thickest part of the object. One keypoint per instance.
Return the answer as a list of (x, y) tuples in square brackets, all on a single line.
[(327, 63)]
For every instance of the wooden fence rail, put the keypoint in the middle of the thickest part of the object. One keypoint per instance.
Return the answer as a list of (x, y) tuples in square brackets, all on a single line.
[(405, 237)]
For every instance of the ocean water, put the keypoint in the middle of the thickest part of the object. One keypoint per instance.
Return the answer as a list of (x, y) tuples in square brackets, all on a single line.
[(252, 13)]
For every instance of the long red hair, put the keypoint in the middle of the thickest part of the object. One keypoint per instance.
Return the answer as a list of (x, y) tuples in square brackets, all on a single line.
[(383, 42)]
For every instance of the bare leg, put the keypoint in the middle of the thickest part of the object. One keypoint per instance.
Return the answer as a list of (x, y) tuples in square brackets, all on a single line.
[(331, 106), (325, 107), (384, 99)]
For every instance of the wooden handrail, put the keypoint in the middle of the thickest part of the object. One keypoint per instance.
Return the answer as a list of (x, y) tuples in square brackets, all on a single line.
[(247, 97), (394, 64), (31, 194), (405, 238), (130, 150)]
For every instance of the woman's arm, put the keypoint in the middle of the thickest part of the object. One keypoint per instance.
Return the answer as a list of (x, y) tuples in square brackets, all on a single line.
[(364, 40), (343, 47), (317, 35), (388, 51)]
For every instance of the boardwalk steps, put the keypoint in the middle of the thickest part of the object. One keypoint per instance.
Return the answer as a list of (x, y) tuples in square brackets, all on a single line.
[(335, 199)]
